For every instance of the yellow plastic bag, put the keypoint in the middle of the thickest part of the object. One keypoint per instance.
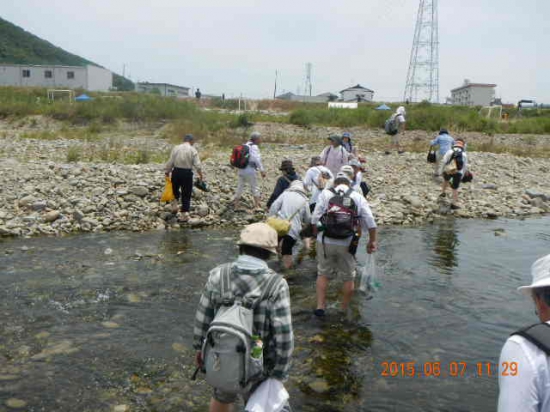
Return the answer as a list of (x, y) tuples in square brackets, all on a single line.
[(168, 194), (281, 226)]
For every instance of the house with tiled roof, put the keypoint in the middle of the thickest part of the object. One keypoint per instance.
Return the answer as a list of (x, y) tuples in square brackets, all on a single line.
[(357, 93)]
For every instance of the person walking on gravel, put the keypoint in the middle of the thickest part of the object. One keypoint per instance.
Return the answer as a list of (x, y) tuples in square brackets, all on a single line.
[(183, 159), (335, 155), (445, 142), (400, 122), (247, 176)]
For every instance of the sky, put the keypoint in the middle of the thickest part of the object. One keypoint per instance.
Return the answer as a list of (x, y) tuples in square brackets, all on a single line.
[(236, 46)]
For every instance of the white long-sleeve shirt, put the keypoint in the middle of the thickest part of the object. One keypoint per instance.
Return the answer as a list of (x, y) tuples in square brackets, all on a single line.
[(287, 204), (254, 160), (364, 213), (311, 181), (529, 390), (334, 158), (183, 156)]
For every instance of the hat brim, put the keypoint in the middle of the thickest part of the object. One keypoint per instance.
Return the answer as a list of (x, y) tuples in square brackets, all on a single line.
[(272, 250), (527, 290)]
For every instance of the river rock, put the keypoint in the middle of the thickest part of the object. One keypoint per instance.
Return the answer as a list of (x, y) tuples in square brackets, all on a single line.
[(121, 408), (15, 403), (26, 201), (203, 210), (319, 386), (533, 193), (139, 191), (489, 186), (51, 216)]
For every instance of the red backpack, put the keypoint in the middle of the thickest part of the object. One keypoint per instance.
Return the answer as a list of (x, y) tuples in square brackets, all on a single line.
[(240, 156)]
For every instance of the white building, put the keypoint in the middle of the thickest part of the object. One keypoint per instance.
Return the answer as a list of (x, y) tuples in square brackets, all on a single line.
[(165, 89), (357, 93), (473, 94), (89, 77)]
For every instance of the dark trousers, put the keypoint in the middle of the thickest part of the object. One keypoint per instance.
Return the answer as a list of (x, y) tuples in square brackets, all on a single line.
[(182, 184)]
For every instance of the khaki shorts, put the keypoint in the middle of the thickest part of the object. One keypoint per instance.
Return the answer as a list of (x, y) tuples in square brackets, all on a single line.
[(338, 263)]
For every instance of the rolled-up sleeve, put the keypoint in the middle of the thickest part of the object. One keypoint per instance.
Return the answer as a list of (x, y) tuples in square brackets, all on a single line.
[(365, 215), (281, 323)]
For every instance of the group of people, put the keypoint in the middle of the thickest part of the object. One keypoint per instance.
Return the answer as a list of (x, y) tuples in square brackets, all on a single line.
[(329, 204)]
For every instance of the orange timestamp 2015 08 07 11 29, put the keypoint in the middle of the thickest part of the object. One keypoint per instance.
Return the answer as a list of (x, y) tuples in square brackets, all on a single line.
[(452, 369)]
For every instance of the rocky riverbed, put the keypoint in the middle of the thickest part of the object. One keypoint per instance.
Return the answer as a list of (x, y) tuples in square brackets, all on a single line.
[(40, 193)]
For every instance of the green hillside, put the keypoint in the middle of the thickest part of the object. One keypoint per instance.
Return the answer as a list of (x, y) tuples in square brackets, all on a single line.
[(18, 46)]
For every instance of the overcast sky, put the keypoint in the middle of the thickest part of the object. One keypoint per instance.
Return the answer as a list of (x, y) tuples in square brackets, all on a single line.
[(235, 46)]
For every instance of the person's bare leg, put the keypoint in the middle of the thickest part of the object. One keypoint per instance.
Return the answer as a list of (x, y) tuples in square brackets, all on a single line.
[(216, 406), (347, 290), (257, 203), (287, 261), (444, 186), (321, 286), (455, 196)]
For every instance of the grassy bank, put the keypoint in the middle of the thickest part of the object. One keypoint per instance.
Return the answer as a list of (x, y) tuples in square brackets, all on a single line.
[(107, 109)]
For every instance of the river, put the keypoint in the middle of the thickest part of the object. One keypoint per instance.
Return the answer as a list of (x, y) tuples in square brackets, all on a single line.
[(89, 322)]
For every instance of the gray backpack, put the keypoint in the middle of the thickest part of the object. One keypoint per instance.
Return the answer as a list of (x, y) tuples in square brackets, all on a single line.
[(226, 350)]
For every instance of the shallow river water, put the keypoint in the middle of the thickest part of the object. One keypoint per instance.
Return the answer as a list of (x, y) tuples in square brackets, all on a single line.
[(89, 322)]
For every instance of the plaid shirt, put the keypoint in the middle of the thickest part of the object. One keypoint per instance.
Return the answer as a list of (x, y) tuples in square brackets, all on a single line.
[(272, 318)]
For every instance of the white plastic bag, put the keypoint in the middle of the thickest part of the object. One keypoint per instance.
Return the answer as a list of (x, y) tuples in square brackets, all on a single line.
[(270, 396), (369, 281)]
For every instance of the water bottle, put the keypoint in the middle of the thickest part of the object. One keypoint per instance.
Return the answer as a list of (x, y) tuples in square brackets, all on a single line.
[(257, 347)]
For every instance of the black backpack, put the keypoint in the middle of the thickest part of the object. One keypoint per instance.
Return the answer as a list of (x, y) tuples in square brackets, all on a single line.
[(340, 219)]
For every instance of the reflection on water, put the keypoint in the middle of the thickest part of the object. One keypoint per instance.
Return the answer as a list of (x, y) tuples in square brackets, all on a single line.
[(445, 244), (94, 321)]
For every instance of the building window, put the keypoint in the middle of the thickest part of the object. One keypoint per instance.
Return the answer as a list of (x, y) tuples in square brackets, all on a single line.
[(48, 74), (26, 73), (70, 75)]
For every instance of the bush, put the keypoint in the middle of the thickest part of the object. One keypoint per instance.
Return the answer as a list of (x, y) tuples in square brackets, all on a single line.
[(74, 154), (301, 117)]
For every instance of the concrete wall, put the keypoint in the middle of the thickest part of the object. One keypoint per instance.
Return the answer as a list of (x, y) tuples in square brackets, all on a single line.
[(89, 78), (99, 79), (351, 95)]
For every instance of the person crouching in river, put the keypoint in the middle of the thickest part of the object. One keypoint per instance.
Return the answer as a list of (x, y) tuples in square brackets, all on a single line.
[(453, 166), (292, 205), (183, 159)]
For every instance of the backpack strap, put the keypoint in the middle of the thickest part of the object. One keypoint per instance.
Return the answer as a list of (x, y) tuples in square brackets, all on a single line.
[(538, 334), (271, 284), (226, 293)]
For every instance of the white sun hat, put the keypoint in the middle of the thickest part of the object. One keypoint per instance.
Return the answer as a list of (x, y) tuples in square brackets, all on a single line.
[(541, 275)]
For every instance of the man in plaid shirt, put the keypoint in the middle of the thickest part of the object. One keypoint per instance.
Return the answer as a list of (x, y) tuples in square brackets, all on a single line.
[(272, 318)]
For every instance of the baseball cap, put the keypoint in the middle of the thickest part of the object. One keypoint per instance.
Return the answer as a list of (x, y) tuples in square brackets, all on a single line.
[(188, 138), (259, 235), (255, 135), (540, 270), (355, 162)]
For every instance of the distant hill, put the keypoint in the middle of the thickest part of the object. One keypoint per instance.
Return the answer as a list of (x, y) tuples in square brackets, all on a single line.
[(18, 46)]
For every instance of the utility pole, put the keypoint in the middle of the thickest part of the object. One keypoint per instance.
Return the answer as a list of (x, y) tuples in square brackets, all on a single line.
[(423, 74), (275, 88), (308, 87)]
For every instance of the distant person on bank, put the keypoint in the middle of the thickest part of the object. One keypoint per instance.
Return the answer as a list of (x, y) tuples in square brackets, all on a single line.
[(293, 205), (183, 159), (335, 155), (288, 176), (198, 94), (348, 144), (524, 364), (445, 142), (401, 123), (453, 167), (247, 176)]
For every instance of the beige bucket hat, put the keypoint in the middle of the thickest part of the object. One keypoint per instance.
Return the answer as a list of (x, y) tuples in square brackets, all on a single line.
[(259, 235)]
